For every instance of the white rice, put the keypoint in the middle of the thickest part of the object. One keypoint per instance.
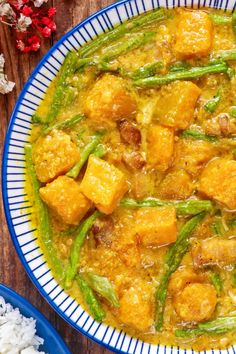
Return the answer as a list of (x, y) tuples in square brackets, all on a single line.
[(17, 333)]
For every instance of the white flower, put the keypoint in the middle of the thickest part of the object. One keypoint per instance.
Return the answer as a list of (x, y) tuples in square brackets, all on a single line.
[(5, 85), (38, 3), (6, 10), (23, 22)]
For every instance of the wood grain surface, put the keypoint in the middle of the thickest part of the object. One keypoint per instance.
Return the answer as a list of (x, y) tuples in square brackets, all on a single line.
[(18, 68)]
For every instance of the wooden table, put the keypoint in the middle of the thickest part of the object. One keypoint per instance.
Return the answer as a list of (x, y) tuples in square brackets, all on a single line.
[(18, 67)]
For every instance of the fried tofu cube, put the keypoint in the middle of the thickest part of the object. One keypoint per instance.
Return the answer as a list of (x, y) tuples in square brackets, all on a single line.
[(109, 100), (136, 306), (176, 185), (176, 103), (192, 155), (196, 302), (218, 181), (160, 147), (54, 155), (103, 184), (194, 35), (156, 226), (64, 197)]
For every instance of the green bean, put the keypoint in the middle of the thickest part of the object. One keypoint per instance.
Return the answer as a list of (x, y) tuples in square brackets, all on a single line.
[(195, 134), (36, 119), (218, 326), (123, 47), (173, 259), (224, 55), (232, 112), (216, 282), (179, 66), (234, 24), (103, 287), (135, 23), (211, 105), (188, 207), (220, 20), (234, 279), (146, 70), (90, 299), (78, 242), (68, 68), (216, 227), (44, 227), (188, 74), (99, 151), (74, 172), (65, 124)]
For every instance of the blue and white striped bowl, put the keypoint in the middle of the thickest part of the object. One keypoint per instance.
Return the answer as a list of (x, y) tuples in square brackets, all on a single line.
[(17, 206)]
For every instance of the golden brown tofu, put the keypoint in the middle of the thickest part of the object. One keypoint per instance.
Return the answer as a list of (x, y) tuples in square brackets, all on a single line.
[(214, 251), (218, 181), (109, 100), (103, 184), (64, 197), (192, 155), (183, 277), (160, 147), (156, 226), (176, 185), (194, 35), (54, 155), (136, 306), (176, 103), (196, 302)]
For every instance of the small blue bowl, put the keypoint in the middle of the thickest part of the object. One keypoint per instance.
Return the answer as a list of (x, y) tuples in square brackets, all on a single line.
[(53, 343)]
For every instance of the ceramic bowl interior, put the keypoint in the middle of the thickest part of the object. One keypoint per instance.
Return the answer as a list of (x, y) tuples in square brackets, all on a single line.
[(17, 206), (53, 343)]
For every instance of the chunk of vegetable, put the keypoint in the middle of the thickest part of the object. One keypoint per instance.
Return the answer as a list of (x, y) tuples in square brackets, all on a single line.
[(211, 105), (104, 184), (90, 299), (218, 326), (109, 100), (63, 195), (218, 181), (173, 259), (192, 155), (188, 74), (217, 251), (68, 67), (78, 242), (160, 147), (176, 185), (135, 23), (156, 226), (65, 124), (196, 302), (54, 155), (103, 287), (188, 207), (194, 34), (216, 282), (88, 149), (136, 306), (43, 221), (181, 97), (195, 134)]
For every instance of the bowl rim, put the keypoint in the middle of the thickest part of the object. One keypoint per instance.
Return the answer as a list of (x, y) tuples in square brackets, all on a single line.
[(33, 311), (38, 286)]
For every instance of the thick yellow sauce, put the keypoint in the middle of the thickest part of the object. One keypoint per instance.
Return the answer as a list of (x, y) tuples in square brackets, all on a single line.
[(116, 251)]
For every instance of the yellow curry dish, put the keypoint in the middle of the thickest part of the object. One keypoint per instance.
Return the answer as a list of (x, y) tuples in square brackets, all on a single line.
[(131, 168)]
